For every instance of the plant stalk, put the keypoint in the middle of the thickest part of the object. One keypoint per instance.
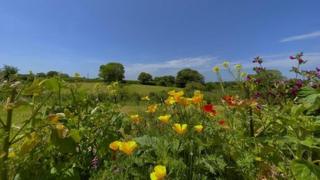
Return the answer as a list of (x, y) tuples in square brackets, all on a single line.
[(4, 171)]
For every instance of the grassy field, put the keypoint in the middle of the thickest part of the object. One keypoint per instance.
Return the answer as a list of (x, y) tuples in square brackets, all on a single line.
[(20, 114), (24, 111), (128, 107), (140, 89)]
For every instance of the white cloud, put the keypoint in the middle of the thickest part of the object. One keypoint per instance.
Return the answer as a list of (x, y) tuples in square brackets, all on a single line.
[(301, 37)]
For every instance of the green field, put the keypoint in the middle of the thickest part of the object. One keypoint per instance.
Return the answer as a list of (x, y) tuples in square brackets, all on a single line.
[(126, 106), (24, 111)]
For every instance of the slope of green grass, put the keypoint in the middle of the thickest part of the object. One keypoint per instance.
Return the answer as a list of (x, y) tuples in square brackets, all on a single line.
[(146, 89)]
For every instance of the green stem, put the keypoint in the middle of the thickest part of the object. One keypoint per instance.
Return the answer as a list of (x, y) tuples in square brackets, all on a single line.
[(4, 171), (59, 91), (221, 83)]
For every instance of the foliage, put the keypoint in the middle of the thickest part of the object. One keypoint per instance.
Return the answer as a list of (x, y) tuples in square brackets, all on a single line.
[(6, 72), (191, 86), (145, 78), (71, 133), (165, 80), (188, 75), (52, 73), (112, 72)]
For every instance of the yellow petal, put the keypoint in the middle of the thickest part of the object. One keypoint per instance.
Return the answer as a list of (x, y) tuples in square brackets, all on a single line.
[(153, 176), (198, 128), (115, 145), (160, 171)]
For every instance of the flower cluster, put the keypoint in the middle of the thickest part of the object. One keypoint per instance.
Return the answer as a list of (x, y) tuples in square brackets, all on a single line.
[(298, 57), (209, 108), (159, 173), (126, 147), (135, 118), (258, 60)]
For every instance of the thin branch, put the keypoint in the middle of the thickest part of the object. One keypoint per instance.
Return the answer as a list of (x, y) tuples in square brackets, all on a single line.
[(32, 116), (2, 123)]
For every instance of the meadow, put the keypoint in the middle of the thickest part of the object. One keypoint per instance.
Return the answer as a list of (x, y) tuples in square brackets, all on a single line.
[(265, 128)]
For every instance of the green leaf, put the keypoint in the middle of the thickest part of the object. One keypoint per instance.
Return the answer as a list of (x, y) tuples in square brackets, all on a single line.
[(65, 145), (75, 135), (311, 143), (306, 91), (304, 170), (51, 84), (297, 110)]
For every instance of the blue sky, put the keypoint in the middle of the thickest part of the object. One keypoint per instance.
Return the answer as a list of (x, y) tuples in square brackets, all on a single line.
[(156, 36)]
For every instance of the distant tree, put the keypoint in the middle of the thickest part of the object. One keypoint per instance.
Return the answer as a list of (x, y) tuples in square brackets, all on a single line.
[(112, 72), (7, 71), (165, 80), (64, 75), (274, 74), (145, 78), (52, 73), (41, 75), (187, 75)]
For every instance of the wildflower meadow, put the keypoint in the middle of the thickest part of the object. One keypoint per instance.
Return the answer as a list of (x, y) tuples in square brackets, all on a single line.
[(267, 128)]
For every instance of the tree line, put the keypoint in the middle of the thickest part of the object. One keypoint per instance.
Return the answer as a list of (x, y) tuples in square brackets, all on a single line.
[(113, 71)]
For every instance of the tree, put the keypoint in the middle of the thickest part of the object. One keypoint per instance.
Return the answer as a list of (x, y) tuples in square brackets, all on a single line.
[(165, 80), (64, 75), (112, 72), (188, 75), (145, 78), (41, 75), (52, 73), (7, 71)]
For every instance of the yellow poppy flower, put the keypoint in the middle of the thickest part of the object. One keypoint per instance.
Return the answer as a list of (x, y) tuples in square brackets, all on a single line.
[(159, 173), (198, 128), (164, 119), (170, 100), (171, 93), (197, 97), (176, 95), (153, 176), (135, 118), (128, 147), (180, 128), (152, 108), (185, 101), (115, 145)]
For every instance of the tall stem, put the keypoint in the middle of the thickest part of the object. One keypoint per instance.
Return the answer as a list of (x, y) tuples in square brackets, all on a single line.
[(251, 123), (221, 83), (6, 139)]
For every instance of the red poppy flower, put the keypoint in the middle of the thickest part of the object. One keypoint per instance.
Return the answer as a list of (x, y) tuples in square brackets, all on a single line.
[(221, 122), (209, 108), (230, 100)]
